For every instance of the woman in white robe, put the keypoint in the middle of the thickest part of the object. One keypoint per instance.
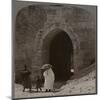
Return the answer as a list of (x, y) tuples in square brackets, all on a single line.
[(49, 77)]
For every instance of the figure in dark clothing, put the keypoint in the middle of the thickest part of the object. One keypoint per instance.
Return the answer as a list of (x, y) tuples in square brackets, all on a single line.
[(38, 83), (27, 84)]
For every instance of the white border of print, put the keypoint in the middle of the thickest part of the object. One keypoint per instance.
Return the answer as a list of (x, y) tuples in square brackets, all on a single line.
[(5, 49)]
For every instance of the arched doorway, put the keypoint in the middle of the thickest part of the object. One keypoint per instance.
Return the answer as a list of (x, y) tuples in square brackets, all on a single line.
[(61, 50), (58, 51)]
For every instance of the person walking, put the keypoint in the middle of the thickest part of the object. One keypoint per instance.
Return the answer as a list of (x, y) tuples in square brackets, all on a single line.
[(26, 79), (49, 77)]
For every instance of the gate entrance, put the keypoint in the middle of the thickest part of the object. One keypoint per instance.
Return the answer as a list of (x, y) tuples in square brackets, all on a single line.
[(60, 55)]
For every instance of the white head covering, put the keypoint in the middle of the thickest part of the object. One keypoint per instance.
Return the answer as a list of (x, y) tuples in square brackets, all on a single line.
[(46, 66)]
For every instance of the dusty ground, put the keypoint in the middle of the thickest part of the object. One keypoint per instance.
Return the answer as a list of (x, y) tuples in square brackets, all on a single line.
[(84, 85)]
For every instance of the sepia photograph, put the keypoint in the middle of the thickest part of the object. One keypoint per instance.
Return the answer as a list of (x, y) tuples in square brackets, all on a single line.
[(54, 49)]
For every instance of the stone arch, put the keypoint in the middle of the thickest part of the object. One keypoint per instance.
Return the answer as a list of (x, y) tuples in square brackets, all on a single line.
[(57, 50), (41, 36)]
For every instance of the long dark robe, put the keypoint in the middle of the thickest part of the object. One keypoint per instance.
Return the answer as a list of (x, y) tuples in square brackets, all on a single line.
[(26, 79)]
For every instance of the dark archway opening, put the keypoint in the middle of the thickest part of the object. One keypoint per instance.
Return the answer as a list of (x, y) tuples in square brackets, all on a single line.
[(61, 51)]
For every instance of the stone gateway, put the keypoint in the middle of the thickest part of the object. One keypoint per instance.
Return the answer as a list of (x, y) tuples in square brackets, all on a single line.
[(61, 35)]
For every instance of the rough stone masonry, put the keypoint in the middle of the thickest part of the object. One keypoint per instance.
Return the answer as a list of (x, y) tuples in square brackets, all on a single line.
[(60, 34)]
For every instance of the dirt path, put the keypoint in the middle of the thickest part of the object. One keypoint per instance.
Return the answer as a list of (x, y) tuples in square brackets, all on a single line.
[(84, 85)]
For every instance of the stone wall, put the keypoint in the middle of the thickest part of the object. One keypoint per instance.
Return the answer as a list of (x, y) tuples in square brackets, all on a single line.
[(35, 23)]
